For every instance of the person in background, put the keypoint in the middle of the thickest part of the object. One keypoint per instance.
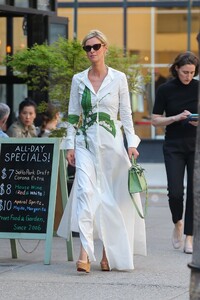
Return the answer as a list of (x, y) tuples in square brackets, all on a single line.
[(159, 79), (100, 205), (49, 120), (4, 114), (24, 126), (175, 101)]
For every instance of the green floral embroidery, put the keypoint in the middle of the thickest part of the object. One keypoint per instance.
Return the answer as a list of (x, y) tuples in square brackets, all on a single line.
[(73, 119), (90, 118), (104, 121), (86, 101)]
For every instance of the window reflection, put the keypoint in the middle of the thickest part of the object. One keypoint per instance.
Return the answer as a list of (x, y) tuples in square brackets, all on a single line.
[(2, 45), (22, 3), (20, 38), (43, 5)]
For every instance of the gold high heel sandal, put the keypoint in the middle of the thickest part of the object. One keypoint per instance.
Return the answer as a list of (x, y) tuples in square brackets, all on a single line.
[(104, 266), (83, 266)]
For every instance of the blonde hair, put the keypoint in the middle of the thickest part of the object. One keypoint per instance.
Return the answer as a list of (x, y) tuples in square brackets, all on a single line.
[(95, 33)]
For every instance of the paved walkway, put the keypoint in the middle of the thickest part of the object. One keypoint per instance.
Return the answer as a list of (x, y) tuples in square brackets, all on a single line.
[(163, 274)]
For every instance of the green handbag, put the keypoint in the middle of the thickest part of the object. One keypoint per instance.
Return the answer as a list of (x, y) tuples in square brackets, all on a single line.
[(136, 184)]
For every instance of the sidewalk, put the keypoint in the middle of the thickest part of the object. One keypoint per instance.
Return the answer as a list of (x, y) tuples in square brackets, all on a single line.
[(163, 274)]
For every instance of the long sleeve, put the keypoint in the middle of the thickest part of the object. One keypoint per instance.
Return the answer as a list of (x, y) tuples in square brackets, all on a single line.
[(126, 115), (73, 114)]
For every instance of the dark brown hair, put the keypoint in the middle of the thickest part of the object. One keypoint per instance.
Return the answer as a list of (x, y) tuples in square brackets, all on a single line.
[(48, 115), (186, 58)]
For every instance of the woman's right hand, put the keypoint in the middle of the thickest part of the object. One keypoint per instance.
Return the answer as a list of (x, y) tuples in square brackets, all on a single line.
[(160, 120), (182, 116), (70, 156)]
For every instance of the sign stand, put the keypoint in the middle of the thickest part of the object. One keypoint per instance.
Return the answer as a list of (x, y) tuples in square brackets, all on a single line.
[(64, 195), (28, 184), (13, 248)]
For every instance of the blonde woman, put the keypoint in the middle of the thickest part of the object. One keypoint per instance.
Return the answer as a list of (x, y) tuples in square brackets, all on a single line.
[(100, 205)]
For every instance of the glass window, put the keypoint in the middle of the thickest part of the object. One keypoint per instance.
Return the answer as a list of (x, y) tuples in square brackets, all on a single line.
[(20, 38), (22, 3), (57, 30), (2, 45), (20, 93), (43, 5), (2, 1), (176, 21), (3, 93)]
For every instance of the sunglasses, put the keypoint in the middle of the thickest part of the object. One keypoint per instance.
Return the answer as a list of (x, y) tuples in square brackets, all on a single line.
[(95, 47)]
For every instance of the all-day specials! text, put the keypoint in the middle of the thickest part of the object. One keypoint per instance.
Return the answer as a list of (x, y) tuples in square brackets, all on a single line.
[(25, 177)]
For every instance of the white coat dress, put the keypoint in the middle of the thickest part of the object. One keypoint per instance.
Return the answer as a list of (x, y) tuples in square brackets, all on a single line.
[(99, 205)]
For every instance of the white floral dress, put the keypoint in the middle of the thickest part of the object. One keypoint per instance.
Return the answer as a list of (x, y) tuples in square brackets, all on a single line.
[(99, 205)]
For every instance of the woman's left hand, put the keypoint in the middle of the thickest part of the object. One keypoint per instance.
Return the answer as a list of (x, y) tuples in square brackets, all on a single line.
[(132, 151), (194, 123)]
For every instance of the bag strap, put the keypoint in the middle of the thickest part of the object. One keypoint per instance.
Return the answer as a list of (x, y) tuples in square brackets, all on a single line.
[(137, 208), (133, 160)]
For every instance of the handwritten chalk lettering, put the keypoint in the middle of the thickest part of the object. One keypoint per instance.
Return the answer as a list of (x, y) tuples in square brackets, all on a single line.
[(25, 172), (36, 187), (19, 208), (21, 202), (24, 192), (36, 193), (25, 185), (44, 173), (5, 189), (27, 178), (3, 173), (17, 227), (18, 178), (5, 205), (14, 218), (21, 187), (37, 178), (11, 171), (34, 219), (6, 173), (30, 148), (34, 227), (27, 157), (36, 202), (3, 218), (28, 202), (34, 209)]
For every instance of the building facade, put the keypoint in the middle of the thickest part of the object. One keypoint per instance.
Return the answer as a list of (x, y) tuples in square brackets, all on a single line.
[(156, 31), (24, 23)]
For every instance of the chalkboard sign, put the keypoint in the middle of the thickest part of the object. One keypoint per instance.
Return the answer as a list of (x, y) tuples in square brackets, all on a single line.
[(25, 172), (28, 183)]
